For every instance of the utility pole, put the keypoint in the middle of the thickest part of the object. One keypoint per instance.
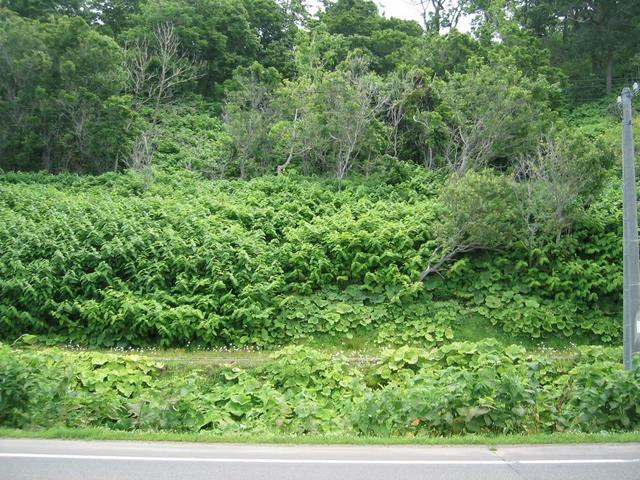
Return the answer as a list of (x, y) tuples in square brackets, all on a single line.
[(631, 292)]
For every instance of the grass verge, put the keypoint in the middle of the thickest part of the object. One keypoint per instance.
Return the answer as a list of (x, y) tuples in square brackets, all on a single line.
[(204, 437)]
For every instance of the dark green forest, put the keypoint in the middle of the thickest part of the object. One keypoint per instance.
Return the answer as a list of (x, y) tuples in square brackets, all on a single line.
[(261, 174), (253, 87)]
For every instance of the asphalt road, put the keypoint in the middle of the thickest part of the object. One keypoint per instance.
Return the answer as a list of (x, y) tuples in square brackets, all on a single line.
[(88, 460)]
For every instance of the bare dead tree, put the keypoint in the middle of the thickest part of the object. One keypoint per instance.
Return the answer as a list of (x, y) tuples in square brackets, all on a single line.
[(353, 114), (137, 62), (157, 67), (400, 87)]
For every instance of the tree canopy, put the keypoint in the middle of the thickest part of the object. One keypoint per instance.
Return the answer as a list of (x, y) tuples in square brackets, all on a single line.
[(86, 83)]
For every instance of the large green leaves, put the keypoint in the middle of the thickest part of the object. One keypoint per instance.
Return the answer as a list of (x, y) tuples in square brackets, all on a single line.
[(457, 388)]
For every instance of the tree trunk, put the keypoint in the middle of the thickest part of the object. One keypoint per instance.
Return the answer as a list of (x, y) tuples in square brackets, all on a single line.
[(565, 35), (281, 168), (46, 159), (609, 71)]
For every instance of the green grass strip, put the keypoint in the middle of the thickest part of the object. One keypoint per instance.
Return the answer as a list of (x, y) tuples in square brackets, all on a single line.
[(205, 437)]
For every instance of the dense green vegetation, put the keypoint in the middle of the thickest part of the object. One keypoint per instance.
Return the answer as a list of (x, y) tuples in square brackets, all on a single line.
[(101, 260), (461, 388), (247, 173), (94, 85)]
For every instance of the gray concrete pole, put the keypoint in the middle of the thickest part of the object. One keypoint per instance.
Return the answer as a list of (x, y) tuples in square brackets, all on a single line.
[(631, 298)]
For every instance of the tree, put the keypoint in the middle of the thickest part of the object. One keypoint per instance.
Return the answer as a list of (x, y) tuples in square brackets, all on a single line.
[(25, 64), (157, 66), (61, 105), (222, 37), (364, 32), (248, 116), (602, 28), (350, 17), (351, 99), (43, 9), (295, 11), (300, 133), (275, 26), (477, 214), (589, 40), (296, 146), (443, 54), (557, 181), (494, 113), (399, 87), (114, 17), (437, 14)]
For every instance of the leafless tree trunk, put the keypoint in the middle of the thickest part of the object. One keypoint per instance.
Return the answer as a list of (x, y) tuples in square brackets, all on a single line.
[(555, 175), (155, 70), (295, 148), (400, 89)]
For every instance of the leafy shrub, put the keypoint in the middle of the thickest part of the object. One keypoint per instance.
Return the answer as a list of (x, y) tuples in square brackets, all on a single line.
[(449, 401), (596, 397), (456, 388)]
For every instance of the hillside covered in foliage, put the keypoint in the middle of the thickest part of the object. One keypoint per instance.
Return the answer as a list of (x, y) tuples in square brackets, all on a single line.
[(244, 175), (265, 262), (261, 174)]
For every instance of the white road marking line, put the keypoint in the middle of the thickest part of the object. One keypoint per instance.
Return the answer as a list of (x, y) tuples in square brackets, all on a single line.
[(602, 460), (316, 461)]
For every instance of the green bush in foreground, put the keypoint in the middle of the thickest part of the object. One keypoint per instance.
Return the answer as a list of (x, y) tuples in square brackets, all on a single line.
[(458, 388)]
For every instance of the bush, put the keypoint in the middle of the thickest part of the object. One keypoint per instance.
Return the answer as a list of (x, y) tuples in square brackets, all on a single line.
[(458, 388)]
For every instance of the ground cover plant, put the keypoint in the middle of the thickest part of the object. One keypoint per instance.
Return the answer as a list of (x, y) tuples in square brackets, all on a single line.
[(481, 387), (102, 261)]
